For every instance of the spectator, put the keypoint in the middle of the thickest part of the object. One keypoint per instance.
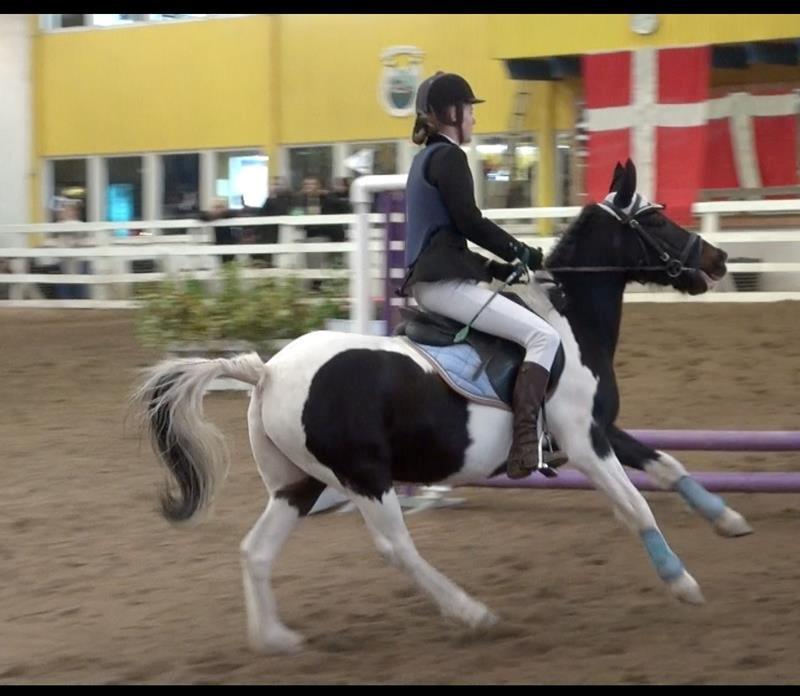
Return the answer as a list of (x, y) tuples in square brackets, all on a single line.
[(222, 235)]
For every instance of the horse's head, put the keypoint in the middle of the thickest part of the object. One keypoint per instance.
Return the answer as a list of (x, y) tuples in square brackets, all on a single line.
[(626, 232)]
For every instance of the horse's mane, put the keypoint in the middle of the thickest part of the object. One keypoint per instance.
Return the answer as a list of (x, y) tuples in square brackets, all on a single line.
[(565, 250)]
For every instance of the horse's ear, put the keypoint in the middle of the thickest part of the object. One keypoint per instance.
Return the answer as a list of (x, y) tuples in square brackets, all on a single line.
[(616, 178), (630, 170), (627, 186)]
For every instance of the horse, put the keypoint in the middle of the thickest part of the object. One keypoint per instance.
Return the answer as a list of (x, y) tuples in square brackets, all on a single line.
[(360, 414)]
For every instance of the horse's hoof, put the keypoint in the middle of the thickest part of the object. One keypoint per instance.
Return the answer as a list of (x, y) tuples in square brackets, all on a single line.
[(686, 589), (488, 620), (480, 624), (731, 524), (278, 641), (476, 616)]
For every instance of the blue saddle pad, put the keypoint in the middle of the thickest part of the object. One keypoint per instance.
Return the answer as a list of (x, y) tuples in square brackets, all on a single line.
[(460, 366)]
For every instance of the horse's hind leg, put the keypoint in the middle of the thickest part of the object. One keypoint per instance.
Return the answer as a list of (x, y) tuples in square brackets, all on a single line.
[(669, 474), (292, 495), (384, 519)]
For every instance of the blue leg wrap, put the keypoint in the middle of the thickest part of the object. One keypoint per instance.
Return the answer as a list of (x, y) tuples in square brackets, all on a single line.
[(707, 504), (668, 565)]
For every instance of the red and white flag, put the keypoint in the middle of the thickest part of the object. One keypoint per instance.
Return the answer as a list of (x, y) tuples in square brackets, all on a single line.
[(654, 106), (650, 105), (752, 139)]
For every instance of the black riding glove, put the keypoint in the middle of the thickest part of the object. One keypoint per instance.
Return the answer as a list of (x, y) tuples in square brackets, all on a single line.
[(532, 257), (502, 271)]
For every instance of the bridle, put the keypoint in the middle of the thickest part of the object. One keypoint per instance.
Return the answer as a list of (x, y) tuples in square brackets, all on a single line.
[(673, 264)]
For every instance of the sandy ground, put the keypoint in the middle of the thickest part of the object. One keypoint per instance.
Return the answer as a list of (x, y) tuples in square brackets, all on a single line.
[(95, 587)]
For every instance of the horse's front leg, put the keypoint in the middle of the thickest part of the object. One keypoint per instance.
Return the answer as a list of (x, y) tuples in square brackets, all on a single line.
[(669, 474), (594, 456)]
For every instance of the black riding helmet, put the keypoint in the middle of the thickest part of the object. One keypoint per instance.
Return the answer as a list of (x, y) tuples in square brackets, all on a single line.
[(442, 90)]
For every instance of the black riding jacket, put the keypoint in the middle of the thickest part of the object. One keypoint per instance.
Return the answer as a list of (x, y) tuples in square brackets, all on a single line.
[(444, 255)]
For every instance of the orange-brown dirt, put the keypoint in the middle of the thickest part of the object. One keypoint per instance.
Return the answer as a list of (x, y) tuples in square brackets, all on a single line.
[(98, 588)]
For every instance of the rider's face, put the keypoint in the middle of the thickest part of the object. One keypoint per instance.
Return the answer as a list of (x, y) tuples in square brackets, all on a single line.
[(468, 123)]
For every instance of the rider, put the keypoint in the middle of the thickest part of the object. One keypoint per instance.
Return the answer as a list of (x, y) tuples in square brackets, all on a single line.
[(443, 274)]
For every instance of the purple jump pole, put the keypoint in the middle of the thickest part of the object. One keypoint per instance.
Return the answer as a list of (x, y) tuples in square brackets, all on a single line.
[(720, 440), (712, 440), (765, 482)]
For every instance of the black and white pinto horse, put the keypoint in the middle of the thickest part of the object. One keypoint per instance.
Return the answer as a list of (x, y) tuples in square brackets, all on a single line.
[(360, 413)]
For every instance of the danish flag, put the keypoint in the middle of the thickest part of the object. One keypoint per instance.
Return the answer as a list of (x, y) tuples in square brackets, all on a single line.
[(752, 139), (654, 106)]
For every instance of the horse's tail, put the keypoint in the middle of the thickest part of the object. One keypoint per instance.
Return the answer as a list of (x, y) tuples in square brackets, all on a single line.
[(193, 450)]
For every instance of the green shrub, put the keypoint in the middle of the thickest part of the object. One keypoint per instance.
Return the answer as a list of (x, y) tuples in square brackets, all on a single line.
[(255, 312)]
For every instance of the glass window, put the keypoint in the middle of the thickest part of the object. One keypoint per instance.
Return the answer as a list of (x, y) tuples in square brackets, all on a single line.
[(162, 17), (66, 21), (310, 162), (371, 158), (49, 22), (124, 191), (181, 192), (508, 174), (69, 189), (110, 20), (242, 178)]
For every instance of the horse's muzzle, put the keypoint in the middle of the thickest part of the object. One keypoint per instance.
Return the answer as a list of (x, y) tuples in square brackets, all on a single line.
[(712, 262)]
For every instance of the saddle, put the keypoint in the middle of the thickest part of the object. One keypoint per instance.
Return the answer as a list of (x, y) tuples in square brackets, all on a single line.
[(483, 368)]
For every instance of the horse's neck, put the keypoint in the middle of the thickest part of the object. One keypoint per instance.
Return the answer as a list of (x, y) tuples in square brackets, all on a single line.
[(595, 309)]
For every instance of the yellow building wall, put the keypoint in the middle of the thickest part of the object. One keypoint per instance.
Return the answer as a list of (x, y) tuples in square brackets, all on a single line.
[(531, 36), (330, 71), (170, 86), (260, 80), (269, 80)]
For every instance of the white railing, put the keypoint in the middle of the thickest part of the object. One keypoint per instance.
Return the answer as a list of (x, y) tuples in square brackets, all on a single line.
[(192, 254)]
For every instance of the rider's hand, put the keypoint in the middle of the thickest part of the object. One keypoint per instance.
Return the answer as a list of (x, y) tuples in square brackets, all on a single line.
[(537, 258), (532, 257), (502, 271)]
